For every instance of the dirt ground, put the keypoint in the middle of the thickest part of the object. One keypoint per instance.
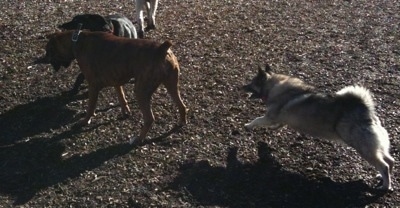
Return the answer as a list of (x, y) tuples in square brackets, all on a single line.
[(213, 161)]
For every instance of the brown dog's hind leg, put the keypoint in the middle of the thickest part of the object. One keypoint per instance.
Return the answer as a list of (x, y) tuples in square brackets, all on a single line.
[(172, 83), (122, 101), (143, 94), (148, 118)]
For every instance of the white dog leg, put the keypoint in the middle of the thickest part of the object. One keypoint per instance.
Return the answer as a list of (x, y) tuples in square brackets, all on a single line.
[(151, 21), (139, 17), (260, 121)]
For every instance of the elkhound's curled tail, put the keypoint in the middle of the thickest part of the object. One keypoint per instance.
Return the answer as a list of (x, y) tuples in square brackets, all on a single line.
[(370, 139), (360, 92)]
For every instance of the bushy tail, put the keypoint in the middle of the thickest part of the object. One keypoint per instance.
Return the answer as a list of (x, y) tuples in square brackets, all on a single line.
[(361, 92)]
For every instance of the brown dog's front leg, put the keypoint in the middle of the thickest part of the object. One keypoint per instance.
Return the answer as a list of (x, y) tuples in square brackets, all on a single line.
[(122, 101), (93, 95)]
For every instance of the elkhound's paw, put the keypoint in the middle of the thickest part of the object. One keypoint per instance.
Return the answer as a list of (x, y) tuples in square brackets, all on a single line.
[(248, 127), (274, 126), (378, 176), (380, 185)]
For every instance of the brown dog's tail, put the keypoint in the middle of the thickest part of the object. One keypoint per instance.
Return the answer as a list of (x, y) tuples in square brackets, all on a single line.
[(163, 49)]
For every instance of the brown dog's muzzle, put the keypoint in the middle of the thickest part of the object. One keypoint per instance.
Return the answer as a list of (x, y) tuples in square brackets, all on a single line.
[(54, 63)]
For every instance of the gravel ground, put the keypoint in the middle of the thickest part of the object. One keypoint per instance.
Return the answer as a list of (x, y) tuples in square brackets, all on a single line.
[(213, 161)]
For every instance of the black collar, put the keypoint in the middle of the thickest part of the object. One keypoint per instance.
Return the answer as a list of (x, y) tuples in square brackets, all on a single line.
[(74, 38), (75, 35)]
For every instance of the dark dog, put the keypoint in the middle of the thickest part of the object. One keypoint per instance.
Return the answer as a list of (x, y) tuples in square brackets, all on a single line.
[(108, 60), (116, 24)]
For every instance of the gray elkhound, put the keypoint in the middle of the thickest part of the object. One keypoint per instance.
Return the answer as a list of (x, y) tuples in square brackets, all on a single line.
[(347, 116)]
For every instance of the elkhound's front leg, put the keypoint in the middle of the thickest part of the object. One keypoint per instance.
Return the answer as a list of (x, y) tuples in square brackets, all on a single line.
[(260, 121)]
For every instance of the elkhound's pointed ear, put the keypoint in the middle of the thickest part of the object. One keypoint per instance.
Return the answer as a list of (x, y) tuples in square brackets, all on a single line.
[(268, 69)]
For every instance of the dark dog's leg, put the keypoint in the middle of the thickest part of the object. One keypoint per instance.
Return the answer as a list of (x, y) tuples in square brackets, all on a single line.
[(78, 82), (122, 101), (93, 95), (172, 83)]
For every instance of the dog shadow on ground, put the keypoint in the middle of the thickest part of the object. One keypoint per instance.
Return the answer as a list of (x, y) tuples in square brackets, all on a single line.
[(28, 167), (31, 160), (35, 117), (265, 184)]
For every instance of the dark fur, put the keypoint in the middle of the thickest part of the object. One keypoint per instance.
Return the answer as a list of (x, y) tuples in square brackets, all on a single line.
[(108, 60), (117, 24)]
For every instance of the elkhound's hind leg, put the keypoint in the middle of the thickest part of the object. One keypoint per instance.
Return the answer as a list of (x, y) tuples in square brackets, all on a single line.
[(378, 161), (390, 161), (375, 151), (372, 143), (386, 155), (384, 141)]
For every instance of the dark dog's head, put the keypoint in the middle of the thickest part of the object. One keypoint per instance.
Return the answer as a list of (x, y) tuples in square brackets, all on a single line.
[(92, 22), (58, 51), (259, 84)]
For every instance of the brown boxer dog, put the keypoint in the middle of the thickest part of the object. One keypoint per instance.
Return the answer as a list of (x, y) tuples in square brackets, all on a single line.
[(117, 24), (109, 60)]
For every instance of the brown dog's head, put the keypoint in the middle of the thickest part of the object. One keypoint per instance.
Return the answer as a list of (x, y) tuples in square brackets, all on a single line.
[(59, 51), (92, 22)]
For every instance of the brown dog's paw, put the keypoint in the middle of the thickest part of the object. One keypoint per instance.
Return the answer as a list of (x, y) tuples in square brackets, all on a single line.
[(182, 123), (84, 122)]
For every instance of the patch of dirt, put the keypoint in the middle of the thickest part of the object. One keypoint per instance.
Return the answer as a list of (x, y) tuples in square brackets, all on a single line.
[(213, 161)]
